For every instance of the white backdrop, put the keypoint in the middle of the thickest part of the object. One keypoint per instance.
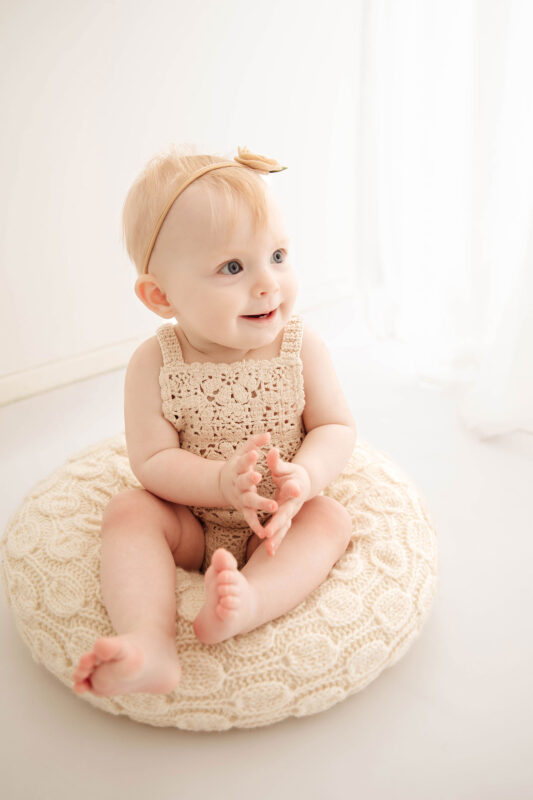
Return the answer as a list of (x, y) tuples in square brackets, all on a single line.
[(445, 165), (93, 89)]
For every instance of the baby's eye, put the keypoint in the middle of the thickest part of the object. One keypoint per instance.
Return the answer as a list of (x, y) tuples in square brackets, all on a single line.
[(278, 256), (232, 266)]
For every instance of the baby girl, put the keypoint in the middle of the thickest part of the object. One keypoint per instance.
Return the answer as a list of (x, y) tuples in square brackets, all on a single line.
[(237, 373)]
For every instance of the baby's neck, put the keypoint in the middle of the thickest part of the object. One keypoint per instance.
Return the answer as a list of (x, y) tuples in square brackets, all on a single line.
[(192, 354)]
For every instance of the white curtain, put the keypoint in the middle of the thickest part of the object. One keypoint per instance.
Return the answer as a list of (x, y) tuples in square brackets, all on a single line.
[(445, 197)]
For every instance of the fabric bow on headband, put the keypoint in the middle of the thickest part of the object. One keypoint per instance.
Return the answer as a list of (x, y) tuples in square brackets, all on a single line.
[(245, 158), (255, 161)]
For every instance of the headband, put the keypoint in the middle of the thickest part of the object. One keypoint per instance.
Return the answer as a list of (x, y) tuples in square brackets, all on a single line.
[(244, 159)]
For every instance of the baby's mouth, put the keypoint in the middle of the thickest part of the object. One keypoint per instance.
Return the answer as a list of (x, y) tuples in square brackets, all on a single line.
[(262, 316)]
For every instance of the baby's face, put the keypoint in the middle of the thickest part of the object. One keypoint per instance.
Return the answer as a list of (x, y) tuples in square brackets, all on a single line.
[(213, 279)]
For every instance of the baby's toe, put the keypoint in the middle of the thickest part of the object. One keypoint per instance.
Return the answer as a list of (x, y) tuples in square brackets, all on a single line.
[(81, 686), (85, 666), (228, 601), (223, 612), (108, 648), (227, 589), (228, 582), (223, 560)]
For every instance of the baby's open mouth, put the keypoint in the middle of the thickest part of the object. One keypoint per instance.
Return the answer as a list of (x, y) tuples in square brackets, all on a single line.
[(262, 316)]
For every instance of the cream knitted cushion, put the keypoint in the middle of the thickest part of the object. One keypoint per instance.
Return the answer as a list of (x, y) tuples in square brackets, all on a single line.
[(361, 620)]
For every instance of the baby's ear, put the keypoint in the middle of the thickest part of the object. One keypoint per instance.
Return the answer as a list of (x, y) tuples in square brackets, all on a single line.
[(149, 293)]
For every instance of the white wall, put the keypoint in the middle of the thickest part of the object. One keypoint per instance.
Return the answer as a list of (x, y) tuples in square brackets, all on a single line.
[(91, 90)]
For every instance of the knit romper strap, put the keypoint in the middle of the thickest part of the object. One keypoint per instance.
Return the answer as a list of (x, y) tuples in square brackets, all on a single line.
[(292, 337), (170, 346)]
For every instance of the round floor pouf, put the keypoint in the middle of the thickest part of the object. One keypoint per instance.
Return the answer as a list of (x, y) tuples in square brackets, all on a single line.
[(361, 620)]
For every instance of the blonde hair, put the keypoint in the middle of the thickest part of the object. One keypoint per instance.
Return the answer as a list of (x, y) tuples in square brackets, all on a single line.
[(163, 174)]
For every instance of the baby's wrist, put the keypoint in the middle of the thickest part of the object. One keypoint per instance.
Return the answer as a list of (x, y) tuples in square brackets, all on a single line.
[(307, 494), (223, 502)]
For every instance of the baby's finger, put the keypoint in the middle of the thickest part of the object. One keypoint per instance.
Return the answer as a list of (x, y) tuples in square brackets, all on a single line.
[(246, 461), (257, 502), (257, 440), (253, 521), (276, 463), (273, 543), (247, 480), (277, 522), (264, 504), (288, 491)]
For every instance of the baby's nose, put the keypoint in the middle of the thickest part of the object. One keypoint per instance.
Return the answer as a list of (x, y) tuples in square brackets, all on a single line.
[(266, 283)]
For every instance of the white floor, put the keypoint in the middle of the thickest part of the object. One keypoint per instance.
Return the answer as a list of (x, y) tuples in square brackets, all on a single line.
[(451, 720)]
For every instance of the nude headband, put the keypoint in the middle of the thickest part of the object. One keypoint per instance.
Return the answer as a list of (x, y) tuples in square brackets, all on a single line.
[(244, 159)]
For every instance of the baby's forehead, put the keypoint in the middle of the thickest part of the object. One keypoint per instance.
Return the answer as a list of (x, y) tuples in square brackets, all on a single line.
[(215, 210)]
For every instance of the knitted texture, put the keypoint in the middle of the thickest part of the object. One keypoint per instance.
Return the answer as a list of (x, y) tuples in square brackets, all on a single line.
[(216, 407), (359, 621)]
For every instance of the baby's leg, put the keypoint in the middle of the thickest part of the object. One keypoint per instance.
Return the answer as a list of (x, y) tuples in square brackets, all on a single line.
[(143, 538), (269, 586)]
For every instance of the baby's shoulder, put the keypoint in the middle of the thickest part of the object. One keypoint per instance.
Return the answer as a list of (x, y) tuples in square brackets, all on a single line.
[(317, 364), (311, 341), (147, 358)]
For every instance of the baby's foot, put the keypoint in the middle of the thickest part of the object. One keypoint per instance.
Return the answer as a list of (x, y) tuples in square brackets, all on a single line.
[(231, 601), (134, 662)]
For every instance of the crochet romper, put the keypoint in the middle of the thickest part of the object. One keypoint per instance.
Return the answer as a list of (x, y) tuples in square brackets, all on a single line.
[(216, 407)]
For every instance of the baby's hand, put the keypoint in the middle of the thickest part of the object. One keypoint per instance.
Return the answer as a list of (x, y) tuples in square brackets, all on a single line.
[(238, 482), (293, 488)]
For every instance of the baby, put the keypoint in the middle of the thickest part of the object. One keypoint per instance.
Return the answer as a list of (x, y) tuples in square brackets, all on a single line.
[(237, 373)]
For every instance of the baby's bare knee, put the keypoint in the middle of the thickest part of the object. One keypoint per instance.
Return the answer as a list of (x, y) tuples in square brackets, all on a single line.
[(129, 506), (337, 521)]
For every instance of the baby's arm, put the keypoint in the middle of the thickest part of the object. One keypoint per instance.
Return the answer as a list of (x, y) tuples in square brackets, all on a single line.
[(153, 443), (327, 418), (327, 447)]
